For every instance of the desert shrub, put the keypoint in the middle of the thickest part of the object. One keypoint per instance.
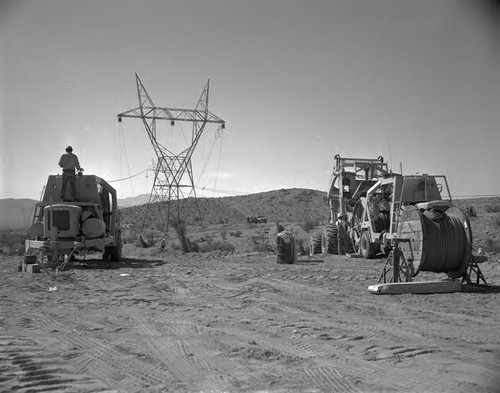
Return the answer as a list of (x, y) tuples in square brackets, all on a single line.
[(309, 224), (140, 241), (261, 244), (262, 247), (129, 236), (235, 233), (203, 246), (175, 246), (227, 247), (151, 238), (148, 238), (215, 246), (491, 245), (181, 231), (300, 246), (159, 226), (493, 208), (497, 221), (13, 241), (470, 211), (256, 239)]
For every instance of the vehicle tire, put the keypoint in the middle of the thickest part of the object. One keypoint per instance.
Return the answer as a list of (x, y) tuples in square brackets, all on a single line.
[(330, 240), (315, 244), (366, 248), (115, 252)]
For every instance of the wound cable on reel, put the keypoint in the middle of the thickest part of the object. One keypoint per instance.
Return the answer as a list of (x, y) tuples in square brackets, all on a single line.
[(445, 242), (435, 241)]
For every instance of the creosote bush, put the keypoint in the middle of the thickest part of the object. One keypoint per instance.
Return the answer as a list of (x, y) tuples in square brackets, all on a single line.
[(12, 238), (309, 224), (181, 230), (492, 245), (215, 246), (493, 208), (470, 211), (129, 236)]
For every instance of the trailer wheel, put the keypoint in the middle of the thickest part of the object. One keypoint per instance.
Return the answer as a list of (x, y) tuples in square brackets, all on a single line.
[(315, 244), (330, 240), (366, 248)]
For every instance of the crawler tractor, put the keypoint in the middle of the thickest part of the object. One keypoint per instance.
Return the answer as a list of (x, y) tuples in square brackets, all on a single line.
[(62, 229)]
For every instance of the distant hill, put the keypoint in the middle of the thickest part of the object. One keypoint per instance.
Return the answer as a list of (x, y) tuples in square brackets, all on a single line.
[(16, 213), (281, 205), (295, 204), (133, 201)]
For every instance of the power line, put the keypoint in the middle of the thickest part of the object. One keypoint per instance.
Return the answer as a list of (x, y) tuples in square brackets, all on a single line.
[(130, 177), (227, 192)]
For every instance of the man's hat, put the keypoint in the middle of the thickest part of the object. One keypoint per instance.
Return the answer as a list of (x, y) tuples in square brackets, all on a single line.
[(340, 215), (69, 148)]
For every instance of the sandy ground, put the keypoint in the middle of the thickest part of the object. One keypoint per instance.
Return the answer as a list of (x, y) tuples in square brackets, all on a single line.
[(241, 323)]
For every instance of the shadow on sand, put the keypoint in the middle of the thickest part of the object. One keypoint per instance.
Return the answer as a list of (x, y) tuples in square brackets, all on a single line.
[(134, 263), (308, 261), (481, 289)]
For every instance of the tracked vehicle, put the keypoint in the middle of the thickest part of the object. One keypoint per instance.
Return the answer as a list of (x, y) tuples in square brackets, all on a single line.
[(90, 223)]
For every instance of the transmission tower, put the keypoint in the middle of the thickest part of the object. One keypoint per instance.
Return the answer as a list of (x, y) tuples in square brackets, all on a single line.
[(173, 178)]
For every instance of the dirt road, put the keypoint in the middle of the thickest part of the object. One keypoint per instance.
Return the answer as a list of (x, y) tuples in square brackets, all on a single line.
[(194, 323)]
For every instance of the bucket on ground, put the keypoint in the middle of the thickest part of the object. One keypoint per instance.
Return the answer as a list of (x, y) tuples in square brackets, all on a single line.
[(285, 247)]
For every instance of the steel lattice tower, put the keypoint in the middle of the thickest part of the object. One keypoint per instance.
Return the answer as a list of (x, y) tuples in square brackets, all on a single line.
[(173, 178)]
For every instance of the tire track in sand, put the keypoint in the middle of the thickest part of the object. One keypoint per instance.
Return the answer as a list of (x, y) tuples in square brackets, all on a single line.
[(181, 347), (330, 380), (26, 366), (107, 362)]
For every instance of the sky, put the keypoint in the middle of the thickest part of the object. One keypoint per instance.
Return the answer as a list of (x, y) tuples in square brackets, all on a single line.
[(297, 82)]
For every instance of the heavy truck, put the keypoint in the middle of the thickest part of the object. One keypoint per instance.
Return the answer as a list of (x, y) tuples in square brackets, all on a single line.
[(410, 219), (61, 229), (371, 198), (350, 181)]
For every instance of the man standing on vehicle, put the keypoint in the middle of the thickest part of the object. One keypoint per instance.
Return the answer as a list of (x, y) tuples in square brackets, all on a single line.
[(69, 162)]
